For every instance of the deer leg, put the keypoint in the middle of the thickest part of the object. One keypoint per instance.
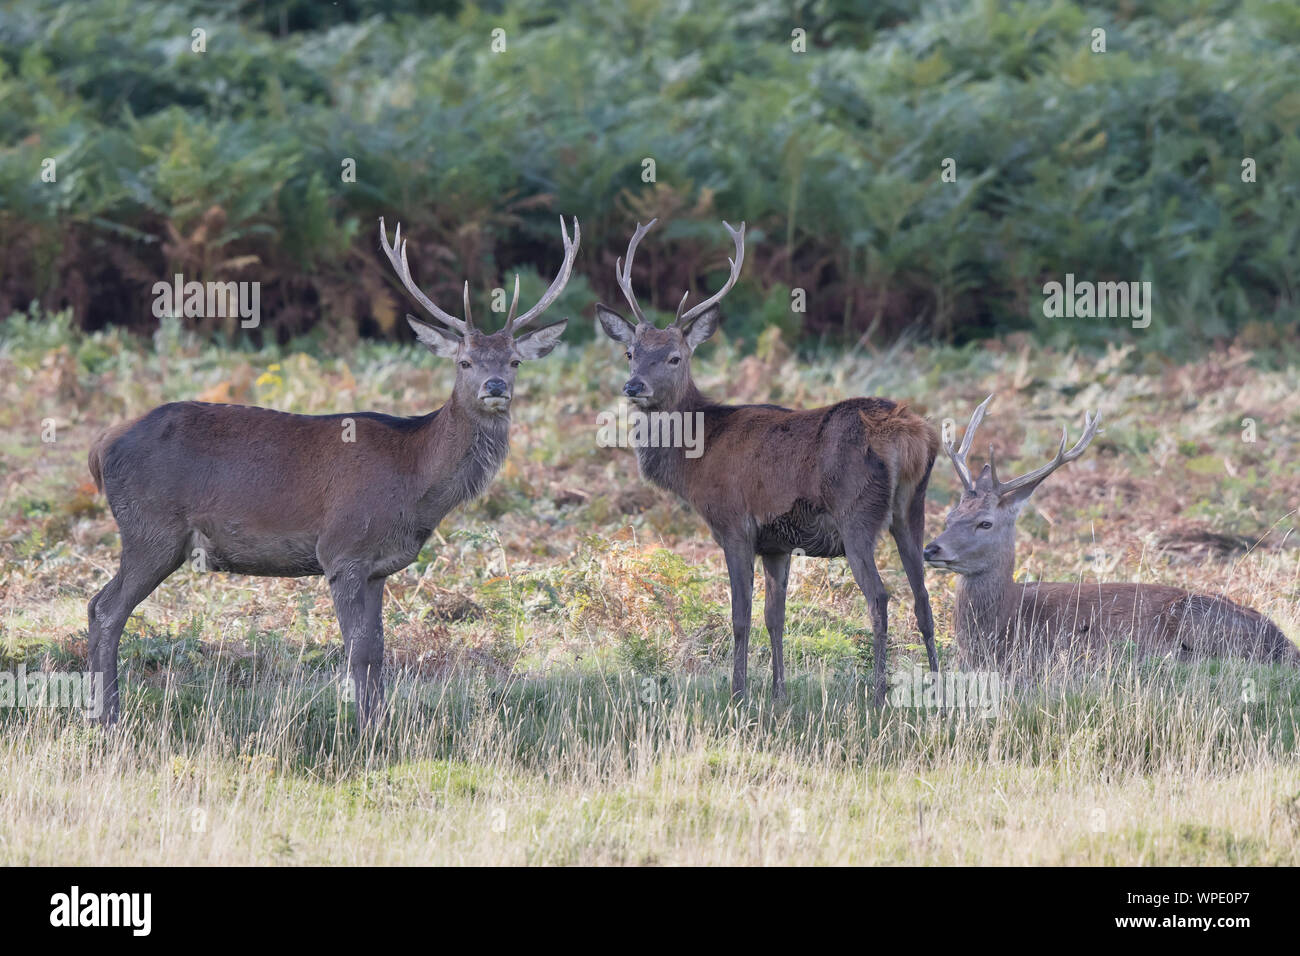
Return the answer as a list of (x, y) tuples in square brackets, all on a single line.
[(776, 572), (358, 603), (740, 568), (139, 572), (862, 561), (367, 658), (909, 550)]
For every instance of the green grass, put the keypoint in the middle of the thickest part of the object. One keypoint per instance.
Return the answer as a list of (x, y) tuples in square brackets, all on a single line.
[(1166, 766)]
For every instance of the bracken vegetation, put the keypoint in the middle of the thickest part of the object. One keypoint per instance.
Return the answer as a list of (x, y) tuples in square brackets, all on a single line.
[(227, 164)]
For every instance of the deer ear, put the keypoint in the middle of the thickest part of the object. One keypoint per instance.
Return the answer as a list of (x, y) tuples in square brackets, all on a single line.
[(700, 329), (436, 340), (616, 327), (1015, 500), (539, 342)]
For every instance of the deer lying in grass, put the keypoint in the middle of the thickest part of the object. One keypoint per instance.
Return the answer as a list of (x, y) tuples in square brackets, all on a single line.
[(352, 497), (769, 481), (1002, 621)]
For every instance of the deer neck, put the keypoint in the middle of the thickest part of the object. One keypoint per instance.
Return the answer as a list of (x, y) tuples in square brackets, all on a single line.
[(985, 603), (665, 464), (463, 451)]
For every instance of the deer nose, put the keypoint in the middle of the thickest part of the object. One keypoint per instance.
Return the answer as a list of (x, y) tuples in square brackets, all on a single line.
[(633, 388), (495, 387), (932, 551)]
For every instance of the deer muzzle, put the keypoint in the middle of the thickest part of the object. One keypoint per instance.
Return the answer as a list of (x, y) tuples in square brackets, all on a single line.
[(637, 391), (934, 555), (495, 394)]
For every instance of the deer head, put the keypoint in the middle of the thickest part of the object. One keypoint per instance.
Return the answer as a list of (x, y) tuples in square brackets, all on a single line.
[(979, 532), (486, 362), (659, 360)]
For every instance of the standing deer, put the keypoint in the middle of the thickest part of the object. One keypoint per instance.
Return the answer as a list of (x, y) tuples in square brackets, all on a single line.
[(769, 480), (350, 496), (1000, 620)]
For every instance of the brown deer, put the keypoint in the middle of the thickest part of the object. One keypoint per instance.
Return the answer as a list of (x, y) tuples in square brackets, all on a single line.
[(352, 497), (1001, 621), (770, 481)]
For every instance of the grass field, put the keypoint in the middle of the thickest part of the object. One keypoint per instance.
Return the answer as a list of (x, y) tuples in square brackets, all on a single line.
[(559, 654)]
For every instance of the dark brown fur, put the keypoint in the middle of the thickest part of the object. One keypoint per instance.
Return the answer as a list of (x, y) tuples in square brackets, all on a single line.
[(774, 481), (254, 491)]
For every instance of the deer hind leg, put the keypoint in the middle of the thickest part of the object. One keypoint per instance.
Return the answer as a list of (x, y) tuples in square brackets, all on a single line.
[(776, 573), (862, 561), (141, 569), (358, 603), (859, 537), (908, 530), (860, 523)]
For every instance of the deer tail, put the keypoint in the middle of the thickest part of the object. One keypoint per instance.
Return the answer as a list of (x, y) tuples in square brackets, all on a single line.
[(95, 460), (916, 443), (96, 466)]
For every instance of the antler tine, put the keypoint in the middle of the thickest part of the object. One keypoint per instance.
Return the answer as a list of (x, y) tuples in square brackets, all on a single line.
[(402, 268), (1090, 423), (623, 273), (469, 316), (958, 456), (514, 304), (682, 304), (738, 237), (558, 284)]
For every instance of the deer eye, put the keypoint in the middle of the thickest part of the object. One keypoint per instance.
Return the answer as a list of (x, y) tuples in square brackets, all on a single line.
[(676, 359), (514, 363), (985, 524), (628, 355), (464, 364)]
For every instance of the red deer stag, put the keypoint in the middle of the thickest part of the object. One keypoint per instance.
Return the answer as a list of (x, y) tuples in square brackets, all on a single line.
[(352, 497), (770, 481), (1001, 621)]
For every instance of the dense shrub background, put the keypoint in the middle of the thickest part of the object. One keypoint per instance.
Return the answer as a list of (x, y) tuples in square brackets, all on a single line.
[(226, 164)]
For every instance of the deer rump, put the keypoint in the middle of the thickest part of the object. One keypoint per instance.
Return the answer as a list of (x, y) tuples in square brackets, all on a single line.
[(811, 468), (1161, 620), (247, 490)]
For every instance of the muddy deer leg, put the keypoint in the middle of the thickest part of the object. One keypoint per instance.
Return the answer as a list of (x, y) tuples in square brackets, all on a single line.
[(358, 603), (776, 572), (862, 562), (909, 550), (740, 568), (140, 571)]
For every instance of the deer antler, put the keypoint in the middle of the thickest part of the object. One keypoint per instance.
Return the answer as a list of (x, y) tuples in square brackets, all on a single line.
[(557, 285), (514, 304), (624, 273), (738, 237), (397, 256), (959, 456), (1090, 423)]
